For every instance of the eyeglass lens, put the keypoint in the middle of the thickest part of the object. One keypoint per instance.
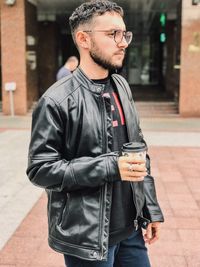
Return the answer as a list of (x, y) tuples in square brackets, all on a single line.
[(120, 34)]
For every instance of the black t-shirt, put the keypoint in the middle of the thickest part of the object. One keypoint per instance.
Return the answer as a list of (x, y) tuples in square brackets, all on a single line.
[(122, 210)]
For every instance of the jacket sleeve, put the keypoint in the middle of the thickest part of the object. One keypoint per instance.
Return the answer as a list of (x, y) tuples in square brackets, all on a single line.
[(151, 210), (48, 168)]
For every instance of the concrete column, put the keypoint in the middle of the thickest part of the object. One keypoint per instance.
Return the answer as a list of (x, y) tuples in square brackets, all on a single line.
[(13, 45), (190, 61)]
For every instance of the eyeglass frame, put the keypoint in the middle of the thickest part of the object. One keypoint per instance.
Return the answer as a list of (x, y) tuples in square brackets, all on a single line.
[(114, 32)]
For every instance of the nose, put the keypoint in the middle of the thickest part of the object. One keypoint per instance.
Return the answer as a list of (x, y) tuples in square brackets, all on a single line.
[(123, 43)]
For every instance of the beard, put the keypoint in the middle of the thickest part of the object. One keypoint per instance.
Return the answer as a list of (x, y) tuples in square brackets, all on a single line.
[(102, 61)]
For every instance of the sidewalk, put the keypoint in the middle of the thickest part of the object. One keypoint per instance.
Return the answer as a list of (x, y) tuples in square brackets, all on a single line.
[(175, 153)]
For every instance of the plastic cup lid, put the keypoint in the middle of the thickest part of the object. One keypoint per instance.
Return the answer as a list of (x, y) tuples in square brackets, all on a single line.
[(134, 147)]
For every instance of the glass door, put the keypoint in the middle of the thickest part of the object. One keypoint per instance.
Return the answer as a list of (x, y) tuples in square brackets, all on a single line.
[(143, 62)]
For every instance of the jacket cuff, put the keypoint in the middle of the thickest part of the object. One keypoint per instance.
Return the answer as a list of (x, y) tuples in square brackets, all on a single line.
[(151, 210), (113, 169)]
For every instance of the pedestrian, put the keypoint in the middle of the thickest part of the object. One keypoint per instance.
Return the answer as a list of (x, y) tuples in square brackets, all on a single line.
[(70, 65), (98, 200)]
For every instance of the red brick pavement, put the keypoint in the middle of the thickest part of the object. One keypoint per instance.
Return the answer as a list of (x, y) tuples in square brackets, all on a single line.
[(178, 188)]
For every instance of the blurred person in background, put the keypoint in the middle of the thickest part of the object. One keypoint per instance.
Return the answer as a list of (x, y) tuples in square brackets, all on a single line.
[(70, 65)]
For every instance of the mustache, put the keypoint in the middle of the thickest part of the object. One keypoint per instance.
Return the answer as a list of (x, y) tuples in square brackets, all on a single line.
[(121, 51)]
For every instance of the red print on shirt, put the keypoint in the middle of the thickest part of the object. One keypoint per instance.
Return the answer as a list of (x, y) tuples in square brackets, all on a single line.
[(119, 108)]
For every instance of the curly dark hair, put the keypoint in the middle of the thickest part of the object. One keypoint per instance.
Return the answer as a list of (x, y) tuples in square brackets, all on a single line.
[(85, 12)]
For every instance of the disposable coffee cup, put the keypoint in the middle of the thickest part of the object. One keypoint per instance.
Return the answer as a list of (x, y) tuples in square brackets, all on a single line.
[(137, 150)]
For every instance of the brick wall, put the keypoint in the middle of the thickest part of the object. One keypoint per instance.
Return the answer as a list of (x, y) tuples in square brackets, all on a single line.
[(18, 22), (31, 48), (0, 59), (13, 45), (190, 60)]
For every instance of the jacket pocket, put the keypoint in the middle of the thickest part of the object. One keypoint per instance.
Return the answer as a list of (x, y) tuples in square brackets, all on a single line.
[(64, 210), (79, 221)]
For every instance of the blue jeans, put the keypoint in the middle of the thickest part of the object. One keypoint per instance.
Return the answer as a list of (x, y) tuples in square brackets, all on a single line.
[(130, 252)]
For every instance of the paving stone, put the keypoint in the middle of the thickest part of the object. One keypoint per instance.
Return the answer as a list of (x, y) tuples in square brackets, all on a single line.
[(182, 200), (190, 235), (166, 247), (186, 212), (169, 235), (188, 223), (169, 261), (193, 261), (173, 187)]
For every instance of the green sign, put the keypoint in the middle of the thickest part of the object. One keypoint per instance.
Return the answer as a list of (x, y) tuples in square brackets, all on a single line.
[(163, 37), (163, 19)]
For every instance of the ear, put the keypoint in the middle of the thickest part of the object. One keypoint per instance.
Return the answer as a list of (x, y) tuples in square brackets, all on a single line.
[(82, 39)]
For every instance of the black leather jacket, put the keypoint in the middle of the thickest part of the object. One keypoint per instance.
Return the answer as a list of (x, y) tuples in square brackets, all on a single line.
[(70, 156)]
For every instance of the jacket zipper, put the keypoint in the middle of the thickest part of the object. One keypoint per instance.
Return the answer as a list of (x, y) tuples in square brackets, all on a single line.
[(104, 150), (104, 190), (135, 221)]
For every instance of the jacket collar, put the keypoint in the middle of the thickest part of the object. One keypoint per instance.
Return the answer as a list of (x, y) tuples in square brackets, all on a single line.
[(130, 113), (86, 82)]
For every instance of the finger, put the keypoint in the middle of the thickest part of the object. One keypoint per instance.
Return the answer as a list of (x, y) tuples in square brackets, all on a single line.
[(133, 174), (134, 160), (132, 179), (131, 159), (146, 239), (153, 239), (133, 168), (148, 234), (155, 235), (136, 167)]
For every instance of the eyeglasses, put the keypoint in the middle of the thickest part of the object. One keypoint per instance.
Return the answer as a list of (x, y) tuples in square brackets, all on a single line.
[(118, 35)]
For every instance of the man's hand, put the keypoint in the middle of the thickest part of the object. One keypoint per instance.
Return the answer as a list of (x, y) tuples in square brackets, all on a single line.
[(152, 233), (131, 169)]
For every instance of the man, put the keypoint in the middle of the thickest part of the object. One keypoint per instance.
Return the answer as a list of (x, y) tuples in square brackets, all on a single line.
[(97, 200), (70, 65)]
